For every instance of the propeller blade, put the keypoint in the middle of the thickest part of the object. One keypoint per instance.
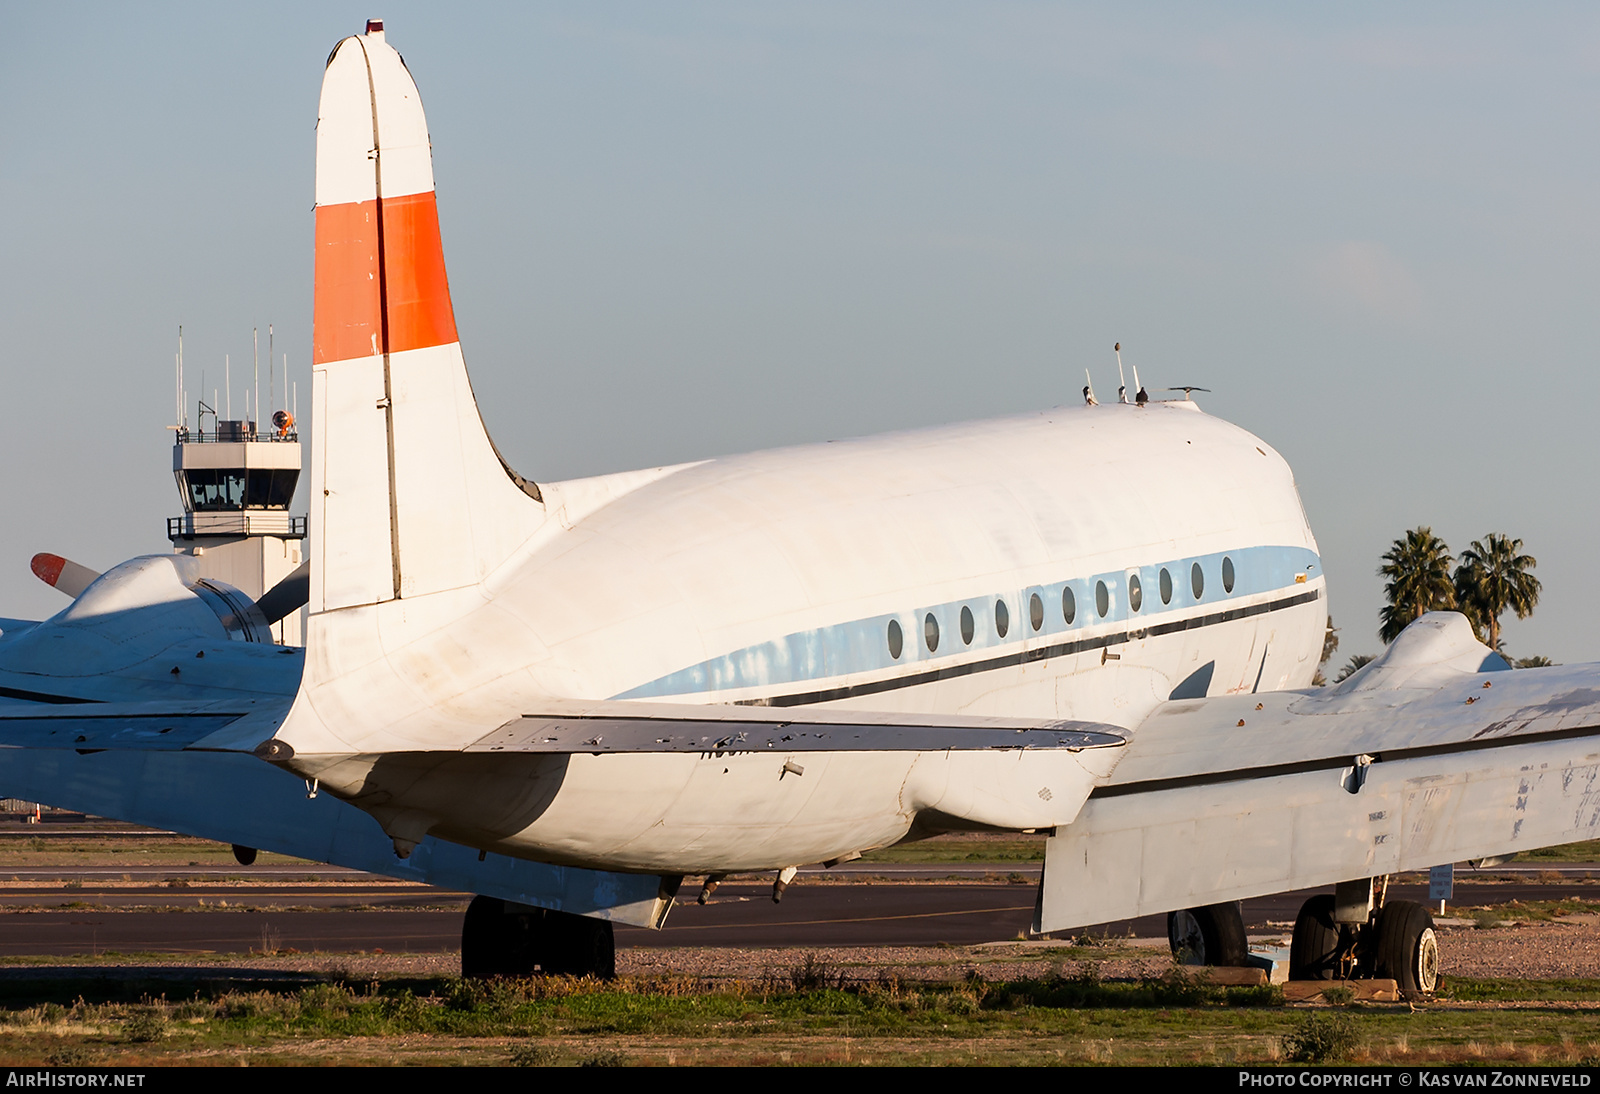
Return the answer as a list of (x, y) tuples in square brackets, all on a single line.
[(62, 573), (287, 595)]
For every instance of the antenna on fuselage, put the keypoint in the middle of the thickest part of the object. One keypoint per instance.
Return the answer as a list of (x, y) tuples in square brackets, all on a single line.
[(1122, 379), (1088, 390)]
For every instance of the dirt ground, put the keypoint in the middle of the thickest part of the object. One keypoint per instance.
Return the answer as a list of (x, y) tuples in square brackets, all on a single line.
[(1563, 949)]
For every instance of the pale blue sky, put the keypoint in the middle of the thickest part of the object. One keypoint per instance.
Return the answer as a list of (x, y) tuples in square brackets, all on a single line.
[(681, 230)]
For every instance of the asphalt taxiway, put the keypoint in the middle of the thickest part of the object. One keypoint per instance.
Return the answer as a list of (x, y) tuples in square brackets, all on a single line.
[(200, 910)]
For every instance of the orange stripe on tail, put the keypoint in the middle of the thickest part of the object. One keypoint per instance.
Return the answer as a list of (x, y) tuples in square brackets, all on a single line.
[(345, 321), (344, 317), (418, 290)]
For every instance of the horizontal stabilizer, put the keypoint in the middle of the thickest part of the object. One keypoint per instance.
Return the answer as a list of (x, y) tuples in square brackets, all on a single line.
[(617, 733), (237, 799), (608, 726), (1002, 773), (102, 726)]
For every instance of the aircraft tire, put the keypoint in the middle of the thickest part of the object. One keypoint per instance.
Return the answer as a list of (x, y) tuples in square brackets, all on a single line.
[(1407, 950), (579, 945), (1314, 950), (495, 942), (1212, 935)]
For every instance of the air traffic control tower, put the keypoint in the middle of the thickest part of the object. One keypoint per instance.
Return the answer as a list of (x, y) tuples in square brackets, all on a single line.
[(237, 483)]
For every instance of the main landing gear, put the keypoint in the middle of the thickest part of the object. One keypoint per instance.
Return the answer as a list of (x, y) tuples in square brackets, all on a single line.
[(1355, 934), (498, 939), (1213, 935)]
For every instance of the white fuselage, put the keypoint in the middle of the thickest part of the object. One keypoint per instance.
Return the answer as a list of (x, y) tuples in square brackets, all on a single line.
[(782, 579)]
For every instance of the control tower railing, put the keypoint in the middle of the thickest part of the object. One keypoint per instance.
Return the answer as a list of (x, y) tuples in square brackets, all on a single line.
[(236, 522), (245, 431)]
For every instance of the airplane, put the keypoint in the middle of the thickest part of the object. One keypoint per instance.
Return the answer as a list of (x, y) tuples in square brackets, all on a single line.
[(1097, 622)]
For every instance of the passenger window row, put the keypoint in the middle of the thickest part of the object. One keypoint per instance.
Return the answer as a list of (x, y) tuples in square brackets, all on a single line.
[(1069, 607)]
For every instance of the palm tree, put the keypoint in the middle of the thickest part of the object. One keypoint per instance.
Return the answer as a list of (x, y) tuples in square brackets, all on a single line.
[(1418, 569), (1492, 579), (1330, 643), (1352, 666)]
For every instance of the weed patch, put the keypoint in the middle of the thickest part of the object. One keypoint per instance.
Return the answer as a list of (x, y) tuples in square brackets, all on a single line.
[(1318, 1038), (533, 1056)]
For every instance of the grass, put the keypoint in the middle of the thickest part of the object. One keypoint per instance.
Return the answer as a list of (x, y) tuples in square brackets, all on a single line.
[(1527, 911), (960, 848), (813, 1013), (1467, 989), (1584, 851), (22, 850), (18, 851)]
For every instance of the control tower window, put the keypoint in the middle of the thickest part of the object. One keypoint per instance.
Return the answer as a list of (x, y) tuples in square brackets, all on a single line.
[(214, 489), (272, 488), (211, 489)]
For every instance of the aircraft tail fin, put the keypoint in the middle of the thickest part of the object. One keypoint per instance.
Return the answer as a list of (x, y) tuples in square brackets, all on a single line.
[(409, 494)]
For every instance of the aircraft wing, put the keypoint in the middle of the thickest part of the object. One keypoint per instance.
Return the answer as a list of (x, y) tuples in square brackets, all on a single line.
[(1425, 757)]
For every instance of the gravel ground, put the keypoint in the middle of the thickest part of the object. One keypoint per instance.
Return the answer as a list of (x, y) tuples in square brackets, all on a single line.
[(1565, 948)]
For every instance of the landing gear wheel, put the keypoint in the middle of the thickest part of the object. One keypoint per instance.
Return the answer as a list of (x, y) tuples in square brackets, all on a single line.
[(1315, 950), (495, 942), (1407, 949), (1212, 935), (578, 945)]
